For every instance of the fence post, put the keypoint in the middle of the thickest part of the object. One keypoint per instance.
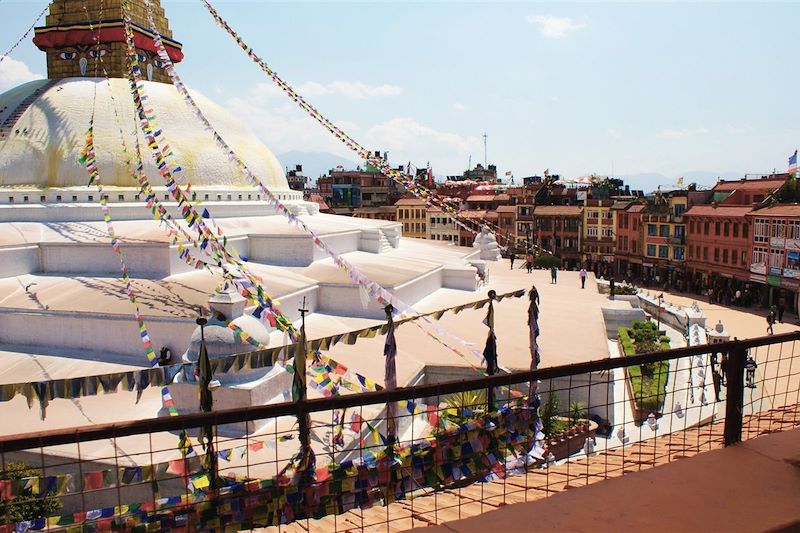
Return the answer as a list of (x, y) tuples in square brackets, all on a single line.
[(734, 394)]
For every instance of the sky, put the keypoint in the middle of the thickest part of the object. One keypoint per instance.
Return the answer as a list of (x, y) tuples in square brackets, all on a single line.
[(578, 88)]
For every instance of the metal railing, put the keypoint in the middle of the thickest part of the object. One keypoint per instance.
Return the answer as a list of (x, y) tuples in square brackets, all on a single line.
[(450, 455)]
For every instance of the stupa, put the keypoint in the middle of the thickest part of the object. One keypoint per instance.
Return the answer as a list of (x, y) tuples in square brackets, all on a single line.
[(60, 287)]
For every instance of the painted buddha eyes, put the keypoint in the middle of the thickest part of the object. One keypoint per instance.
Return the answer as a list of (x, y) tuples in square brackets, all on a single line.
[(160, 64), (69, 56), (141, 57), (97, 53)]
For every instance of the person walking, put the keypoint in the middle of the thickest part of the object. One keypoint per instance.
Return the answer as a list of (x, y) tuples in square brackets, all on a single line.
[(511, 255), (781, 308), (553, 275), (583, 278), (529, 263), (612, 286), (770, 321)]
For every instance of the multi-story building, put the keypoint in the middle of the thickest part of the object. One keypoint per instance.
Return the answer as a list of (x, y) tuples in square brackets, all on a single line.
[(440, 226), (507, 226), (597, 247), (297, 181), (628, 237), (411, 212), (664, 235), (355, 188), (775, 256), (557, 229), (718, 247), (384, 212)]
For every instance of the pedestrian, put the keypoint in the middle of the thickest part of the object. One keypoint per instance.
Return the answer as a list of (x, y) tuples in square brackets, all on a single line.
[(611, 285), (529, 263), (583, 278), (737, 298), (723, 366), (710, 295), (750, 365), (553, 275), (770, 321), (512, 254)]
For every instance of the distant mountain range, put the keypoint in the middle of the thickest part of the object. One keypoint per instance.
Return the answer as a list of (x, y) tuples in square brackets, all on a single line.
[(315, 164)]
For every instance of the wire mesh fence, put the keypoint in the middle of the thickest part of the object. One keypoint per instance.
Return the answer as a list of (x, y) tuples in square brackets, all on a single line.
[(392, 460)]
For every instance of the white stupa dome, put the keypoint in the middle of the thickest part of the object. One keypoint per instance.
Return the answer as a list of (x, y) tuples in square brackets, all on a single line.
[(43, 125)]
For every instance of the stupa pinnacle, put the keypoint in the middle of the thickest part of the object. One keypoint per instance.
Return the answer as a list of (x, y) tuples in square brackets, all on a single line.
[(72, 26)]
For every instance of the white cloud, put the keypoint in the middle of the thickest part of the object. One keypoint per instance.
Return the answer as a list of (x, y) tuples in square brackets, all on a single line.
[(682, 133), (13, 73), (555, 27), (614, 134), (283, 126), (355, 90), (458, 106), (406, 139)]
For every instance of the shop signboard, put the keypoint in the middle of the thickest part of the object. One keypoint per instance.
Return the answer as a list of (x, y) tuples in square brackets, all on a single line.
[(758, 268), (777, 242), (774, 281), (758, 278), (792, 244), (791, 273), (775, 271)]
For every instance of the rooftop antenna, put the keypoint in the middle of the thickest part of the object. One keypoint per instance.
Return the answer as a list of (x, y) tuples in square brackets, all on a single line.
[(485, 158)]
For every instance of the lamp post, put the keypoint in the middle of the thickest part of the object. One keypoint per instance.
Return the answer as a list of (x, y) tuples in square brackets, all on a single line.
[(658, 311), (207, 401)]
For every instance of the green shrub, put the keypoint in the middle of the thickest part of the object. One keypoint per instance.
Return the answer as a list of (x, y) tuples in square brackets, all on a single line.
[(648, 381), (26, 506), (548, 414), (547, 261)]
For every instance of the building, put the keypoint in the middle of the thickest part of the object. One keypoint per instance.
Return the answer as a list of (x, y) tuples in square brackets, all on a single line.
[(664, 235), (411, 213), (440, 226), (558, 229), (719, 240), (384, 212), (775, 257), (297, 181), (629, 238), (355, 188), (597, 247)]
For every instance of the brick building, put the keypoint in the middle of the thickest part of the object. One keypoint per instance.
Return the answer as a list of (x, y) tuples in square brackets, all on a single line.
[(557, 229), (718, 247), (775, 257)]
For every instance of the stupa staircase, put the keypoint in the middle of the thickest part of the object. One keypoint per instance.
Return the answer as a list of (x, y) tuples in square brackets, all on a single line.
[(11, 120)]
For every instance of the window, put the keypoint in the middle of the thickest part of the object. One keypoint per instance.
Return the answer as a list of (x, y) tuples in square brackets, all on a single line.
[(777, 228), (744, 257), (705, 253), (591, 232), (705, 228), (716, 229), (735, 229), (776, 258), (689, 249), (651, 250), (759, 255), (677, 253), (697, 251), (58, 198), (608, 215), (24, 198), (726, 229), (760, 230), (725, 256), (793, 229), (716, 255), (679, 209), (11, 199), (606, 232), (42, 198), (734, 255), (121, 197), (745, 228), (634, 244), (74, 198), (91, 198), (691, 226), (663, 230), (663, 252), (651, 229)]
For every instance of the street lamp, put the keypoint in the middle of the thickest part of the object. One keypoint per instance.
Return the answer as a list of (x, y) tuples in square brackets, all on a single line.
[(658, 311)]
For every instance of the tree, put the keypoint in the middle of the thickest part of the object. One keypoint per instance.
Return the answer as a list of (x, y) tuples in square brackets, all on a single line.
[(547, 261), (26, 505)]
